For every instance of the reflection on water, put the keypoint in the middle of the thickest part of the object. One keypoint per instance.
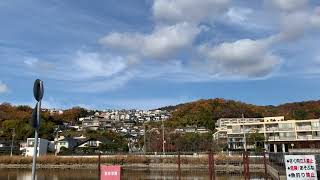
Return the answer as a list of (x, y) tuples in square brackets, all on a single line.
[(64, 174), (46, 174)]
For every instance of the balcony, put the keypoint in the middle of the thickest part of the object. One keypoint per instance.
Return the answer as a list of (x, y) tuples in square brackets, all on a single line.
[(303, 128), (315, 128), (236, 132), (251, 130), (287, 138), (305, 137), (272, 129), (222, 136), (286, 129), (315, 137), (235, 140), (260, 130), (273, 138)]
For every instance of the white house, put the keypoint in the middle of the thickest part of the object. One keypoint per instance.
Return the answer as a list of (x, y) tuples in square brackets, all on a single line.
[(42, 147)]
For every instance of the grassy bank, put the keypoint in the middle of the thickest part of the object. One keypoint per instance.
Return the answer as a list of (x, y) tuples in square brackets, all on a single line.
[(119, 159)]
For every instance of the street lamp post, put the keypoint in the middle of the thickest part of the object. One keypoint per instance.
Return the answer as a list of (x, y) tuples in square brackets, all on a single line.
[(38, 92)]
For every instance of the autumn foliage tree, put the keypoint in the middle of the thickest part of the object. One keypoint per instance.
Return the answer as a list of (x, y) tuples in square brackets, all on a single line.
[(207, 112), (18, 117)]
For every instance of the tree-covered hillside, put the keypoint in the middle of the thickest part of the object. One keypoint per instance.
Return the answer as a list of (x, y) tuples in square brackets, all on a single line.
[(198, 113), (18, 117), (206, 112)]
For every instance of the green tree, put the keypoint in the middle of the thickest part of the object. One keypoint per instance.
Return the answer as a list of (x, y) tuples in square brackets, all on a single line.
[(300, 114), (257, 139)]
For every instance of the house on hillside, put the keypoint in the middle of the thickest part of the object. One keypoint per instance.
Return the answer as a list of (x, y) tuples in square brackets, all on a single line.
[(5, 147), (202, 130), (91, 124), (43, 145), (106, 124), (93, 142), (95, 145), (67, 143), (190, 129)]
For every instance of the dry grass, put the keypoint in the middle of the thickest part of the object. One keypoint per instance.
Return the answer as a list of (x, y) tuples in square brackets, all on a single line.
[(74, 160), (15, 160), (119, 159)]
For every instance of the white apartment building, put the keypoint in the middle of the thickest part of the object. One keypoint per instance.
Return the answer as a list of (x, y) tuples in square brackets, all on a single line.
[(280, 135)]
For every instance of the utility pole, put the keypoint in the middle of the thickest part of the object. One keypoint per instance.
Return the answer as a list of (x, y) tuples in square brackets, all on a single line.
[(13, 134), (163, 141), (56, 141), (144, 139)]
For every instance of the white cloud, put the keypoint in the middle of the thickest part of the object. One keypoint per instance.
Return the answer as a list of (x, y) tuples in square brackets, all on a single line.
[(293, 25), (238, 15), (292, 18), (296, 17), (163, 42), (103, 85), (3, 88), (30, 61), (93, 64), (160, 69), (38, 64), (176, 26), (187, 10), (126, 41), (87, 71), (242, 58), (289, 5), (315, 18), (84, 65)]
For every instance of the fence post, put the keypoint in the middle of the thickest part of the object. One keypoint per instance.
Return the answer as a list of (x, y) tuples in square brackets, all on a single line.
[(99, 165), (179, 168), (213, 167), (246, 172), (210, 165), (244, 165), (265, 165), (248, 166)]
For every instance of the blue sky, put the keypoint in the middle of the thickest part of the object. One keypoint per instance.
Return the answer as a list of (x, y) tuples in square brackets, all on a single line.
[(151, 53)]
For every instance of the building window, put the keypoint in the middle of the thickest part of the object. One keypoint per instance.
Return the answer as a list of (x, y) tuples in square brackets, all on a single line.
[(285, 126), (286, 135), (316, 124), (31, 143), (62, 143)]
